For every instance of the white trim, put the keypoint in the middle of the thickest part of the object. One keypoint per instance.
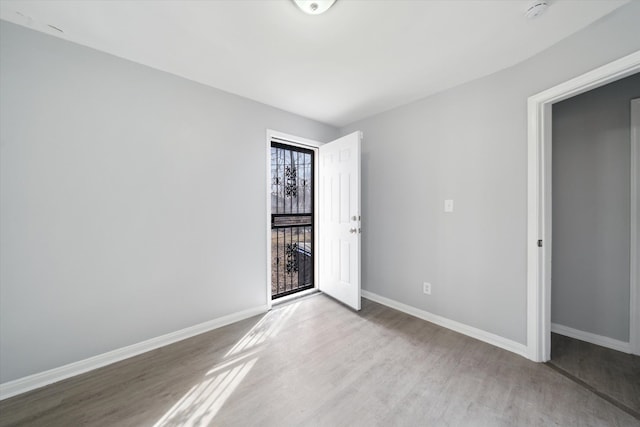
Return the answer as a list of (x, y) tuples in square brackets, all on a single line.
[(634, 286), (600, 340), (267, 182), (298, 295), (41, 379), (539, 196), (295, 141), (479, 334)]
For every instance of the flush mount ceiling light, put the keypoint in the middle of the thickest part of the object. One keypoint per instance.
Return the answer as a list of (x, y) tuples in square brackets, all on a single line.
[(314, 7), (536, 9)]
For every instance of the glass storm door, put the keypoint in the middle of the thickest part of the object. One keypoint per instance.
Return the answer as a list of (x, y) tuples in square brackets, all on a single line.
[(292, 195)]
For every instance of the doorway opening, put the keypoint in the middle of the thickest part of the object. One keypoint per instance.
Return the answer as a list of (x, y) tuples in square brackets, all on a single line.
[(313, 208), (591, 250), (292, 213), (539, 227)]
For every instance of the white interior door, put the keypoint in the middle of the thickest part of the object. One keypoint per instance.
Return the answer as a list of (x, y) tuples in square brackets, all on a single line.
[(339, 228)]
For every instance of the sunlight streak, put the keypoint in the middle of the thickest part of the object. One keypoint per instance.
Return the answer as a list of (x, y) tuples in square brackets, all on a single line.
[(202, 402), (263, 330), (231, 362)]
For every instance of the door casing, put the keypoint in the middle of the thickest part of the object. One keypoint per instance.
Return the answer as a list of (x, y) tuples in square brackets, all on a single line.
[(539, 227)]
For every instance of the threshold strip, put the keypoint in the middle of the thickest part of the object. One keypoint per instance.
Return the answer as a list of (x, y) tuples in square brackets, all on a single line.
[(595, 391)]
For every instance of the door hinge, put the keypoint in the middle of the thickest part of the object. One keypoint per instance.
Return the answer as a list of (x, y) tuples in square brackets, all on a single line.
[(540, 243)]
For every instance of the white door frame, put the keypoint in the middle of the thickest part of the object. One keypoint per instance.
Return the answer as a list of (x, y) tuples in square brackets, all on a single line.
[(295, 141), (634, 330), (539, 198)]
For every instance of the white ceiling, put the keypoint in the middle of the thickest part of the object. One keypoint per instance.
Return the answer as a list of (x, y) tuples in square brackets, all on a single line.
[(360, 58)]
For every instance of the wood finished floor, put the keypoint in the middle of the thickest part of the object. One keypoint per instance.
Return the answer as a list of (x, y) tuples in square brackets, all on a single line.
[(610, 372), (313, 362)]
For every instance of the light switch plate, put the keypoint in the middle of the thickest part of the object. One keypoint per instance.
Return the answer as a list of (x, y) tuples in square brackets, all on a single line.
[(448, 205)]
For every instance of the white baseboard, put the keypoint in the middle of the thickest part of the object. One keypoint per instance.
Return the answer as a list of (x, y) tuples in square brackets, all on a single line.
[(479, 334), (41, 379), (600, 340)]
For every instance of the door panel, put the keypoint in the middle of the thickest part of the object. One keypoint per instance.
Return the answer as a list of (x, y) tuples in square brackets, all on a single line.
[(340, 219)]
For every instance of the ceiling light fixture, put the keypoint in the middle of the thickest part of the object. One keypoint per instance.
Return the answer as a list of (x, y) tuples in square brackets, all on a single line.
[(314, 7), (536, 9)]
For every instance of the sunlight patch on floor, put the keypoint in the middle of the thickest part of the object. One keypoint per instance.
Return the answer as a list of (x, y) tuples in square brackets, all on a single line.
[(267, 327), (200, 405)]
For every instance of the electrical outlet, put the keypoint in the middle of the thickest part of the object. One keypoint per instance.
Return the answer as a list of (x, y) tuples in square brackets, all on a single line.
[(426, 288)]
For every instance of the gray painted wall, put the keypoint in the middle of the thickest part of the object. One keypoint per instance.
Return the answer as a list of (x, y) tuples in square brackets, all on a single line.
[(132, 202), (468, 144), (591, 206)]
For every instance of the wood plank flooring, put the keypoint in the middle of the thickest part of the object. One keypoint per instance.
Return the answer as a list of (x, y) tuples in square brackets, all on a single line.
[(314, 362), (610, 372)]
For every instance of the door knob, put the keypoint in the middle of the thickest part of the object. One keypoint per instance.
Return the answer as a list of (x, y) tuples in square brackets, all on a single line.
[(353, 230)]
